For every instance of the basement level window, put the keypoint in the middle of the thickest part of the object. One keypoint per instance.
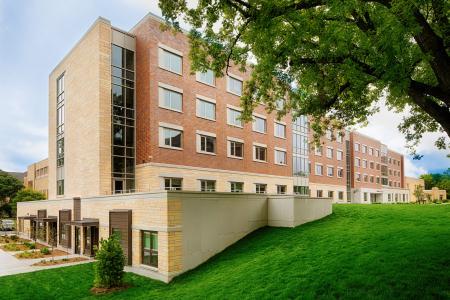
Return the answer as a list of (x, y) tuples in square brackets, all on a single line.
[(207, 185)]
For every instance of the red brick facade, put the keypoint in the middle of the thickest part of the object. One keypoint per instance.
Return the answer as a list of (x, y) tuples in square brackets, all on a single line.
[(149, 114)]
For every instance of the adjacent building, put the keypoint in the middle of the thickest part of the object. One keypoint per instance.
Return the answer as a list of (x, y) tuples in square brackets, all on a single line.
[(36, 177)]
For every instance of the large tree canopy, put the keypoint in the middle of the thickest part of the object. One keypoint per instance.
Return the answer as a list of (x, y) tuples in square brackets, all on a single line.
[(9, 185), (330, 59)]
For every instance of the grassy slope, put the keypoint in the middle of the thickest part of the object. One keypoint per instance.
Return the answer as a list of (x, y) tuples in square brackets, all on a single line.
[(360, 252)]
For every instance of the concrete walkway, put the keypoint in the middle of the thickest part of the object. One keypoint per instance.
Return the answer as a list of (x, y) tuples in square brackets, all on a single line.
[(10, 265)]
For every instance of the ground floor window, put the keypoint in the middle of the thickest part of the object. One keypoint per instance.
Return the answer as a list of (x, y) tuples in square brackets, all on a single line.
[(301, 190), (319, 193), (150, 248), (60, 187), (330, 194), (341, 195), (236, 187), (207, 185), (281, 189), (173, 184), (260, 188), (365, 196)]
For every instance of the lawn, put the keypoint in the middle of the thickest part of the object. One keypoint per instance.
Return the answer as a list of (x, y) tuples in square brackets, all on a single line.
[(359, 252)]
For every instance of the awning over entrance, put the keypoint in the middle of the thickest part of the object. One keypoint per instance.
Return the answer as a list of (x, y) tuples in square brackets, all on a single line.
[(50, 219), (31, 217), (87, 222)]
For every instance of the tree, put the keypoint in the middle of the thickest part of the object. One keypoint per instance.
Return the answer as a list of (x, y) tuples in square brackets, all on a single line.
[(9, 186), (330, 59), (419, 194), (110, 263), (26, 195)]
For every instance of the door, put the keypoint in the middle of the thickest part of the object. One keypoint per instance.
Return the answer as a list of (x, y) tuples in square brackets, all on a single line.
[(77, 240), (118, 186)]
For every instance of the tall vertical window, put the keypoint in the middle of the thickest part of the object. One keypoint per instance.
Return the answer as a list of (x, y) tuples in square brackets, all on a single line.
[(150, 248), (60, 104), (123, 119)]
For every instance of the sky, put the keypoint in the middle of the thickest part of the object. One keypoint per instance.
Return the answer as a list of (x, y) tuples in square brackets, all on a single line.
[(36, 34)]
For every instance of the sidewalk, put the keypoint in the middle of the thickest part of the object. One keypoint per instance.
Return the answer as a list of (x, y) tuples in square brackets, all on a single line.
[(10, 265)]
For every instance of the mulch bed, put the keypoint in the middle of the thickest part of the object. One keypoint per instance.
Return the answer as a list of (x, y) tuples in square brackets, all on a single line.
[(37, 254), (99, 290), (59, 261)]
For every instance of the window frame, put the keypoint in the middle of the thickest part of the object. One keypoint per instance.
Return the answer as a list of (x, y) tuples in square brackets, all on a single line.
[(198, 77), (150, 250), (255, 146), (230, 141), (230, 79), (259, 117), (162, 51), (205, 188), (162, 127), (280, 150), (199, 99), (162, 88)]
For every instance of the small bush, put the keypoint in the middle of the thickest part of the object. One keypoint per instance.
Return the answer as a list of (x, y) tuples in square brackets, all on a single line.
[(45, 251), (30, 245), (14, 238), (110, 263)]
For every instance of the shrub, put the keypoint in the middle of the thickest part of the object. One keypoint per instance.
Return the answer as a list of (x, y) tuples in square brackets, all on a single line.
[(45, 251), (14, 238), (110, 263), (30, 245)]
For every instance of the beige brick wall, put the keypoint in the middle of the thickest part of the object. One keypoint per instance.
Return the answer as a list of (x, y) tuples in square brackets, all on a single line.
[(149, 177), (87, 115), (325, 188)]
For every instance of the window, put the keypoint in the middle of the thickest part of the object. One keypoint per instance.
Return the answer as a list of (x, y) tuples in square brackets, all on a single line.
[(330, 171), (260, 188), (301, 190), (364, 163), (279, 104), (372, 165), (170, 99), (150, 248), (358, 177), (357, 162), (280, 157), (281, 189), (365, 196), (171, 137), (60, 187), (330, 194), (206, 77), (341, 195), (206, 109), (339, 155), (329, 152), (372, 179), (319, 193), (173, 184), (170, 61), (366, 178), (319, 170), (233, 117), (236, 149), (328, 134), (377, 153), (236, 187), (234, 85), (339, 138), (318, 150), (364, 149), (280, 130), (207, 185), (340, 172), (378, 179), (260, 153), (259, 124), (378, 166), (207, 144), (370, 151), (356, 147)]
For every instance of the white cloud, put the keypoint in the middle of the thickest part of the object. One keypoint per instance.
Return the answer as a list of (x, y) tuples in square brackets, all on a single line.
[(412, 170)]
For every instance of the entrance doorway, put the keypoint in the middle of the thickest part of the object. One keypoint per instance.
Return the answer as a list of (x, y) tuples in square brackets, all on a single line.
[(77, 240), (90, 240)]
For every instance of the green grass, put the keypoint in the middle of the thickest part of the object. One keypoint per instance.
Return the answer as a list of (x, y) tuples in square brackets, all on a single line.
[(359, 252)]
